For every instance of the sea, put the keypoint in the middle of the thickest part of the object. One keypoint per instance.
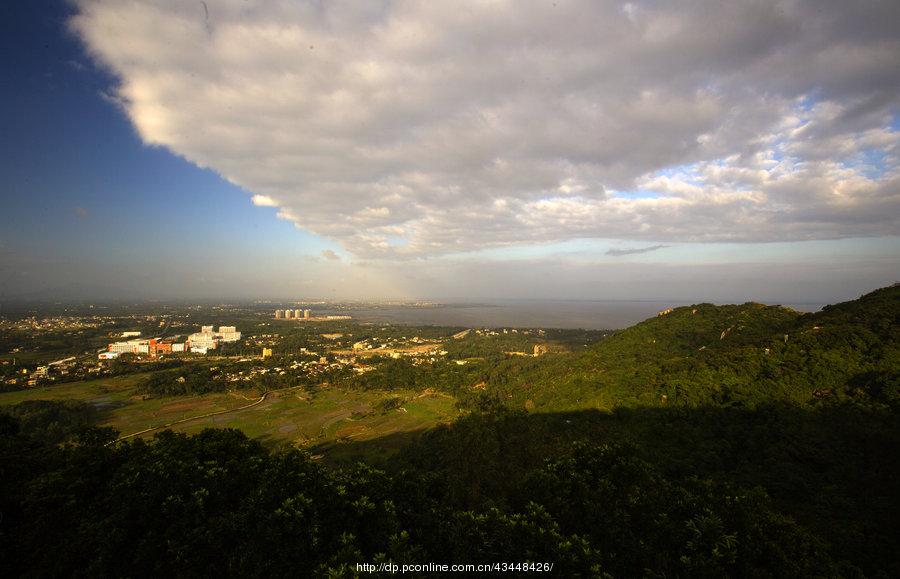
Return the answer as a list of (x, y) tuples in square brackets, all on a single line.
[(570, 314)]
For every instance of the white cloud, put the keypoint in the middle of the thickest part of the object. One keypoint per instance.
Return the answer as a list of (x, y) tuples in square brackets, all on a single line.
[(422, 128), (263, 201)]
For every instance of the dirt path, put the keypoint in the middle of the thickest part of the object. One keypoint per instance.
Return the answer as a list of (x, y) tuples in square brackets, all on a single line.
[(207, 415)]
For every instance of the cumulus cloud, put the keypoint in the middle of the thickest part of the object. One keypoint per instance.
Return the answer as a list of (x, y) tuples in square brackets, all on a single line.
[(329, 254), (635, 251), (263, 201), (408, 128)]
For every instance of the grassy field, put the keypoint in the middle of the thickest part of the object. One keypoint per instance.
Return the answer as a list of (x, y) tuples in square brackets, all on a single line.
[(328, 420), (325, 420), (119, 389)]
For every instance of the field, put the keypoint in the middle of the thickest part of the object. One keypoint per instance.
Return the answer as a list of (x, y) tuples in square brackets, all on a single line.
[(327, 420), (323, 420)]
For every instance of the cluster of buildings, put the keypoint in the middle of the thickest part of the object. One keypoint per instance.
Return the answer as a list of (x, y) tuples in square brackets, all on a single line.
[(293, 314), (305, 315), (56, 324), (68, 369), (116, 349), (61, 367), (199, 343), (206, 339), (300, 368)]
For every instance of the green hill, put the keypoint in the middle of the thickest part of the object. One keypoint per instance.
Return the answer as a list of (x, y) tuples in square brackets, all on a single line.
[(802, 406), (729, 355)]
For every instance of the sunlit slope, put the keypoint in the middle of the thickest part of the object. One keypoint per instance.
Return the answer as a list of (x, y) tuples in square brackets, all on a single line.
[(730, 355)]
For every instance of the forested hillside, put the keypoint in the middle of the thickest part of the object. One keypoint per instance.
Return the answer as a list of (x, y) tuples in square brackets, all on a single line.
[(742, 440), (740, 355)]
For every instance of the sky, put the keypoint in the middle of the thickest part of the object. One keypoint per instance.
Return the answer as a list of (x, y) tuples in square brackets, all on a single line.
[(282, 149)]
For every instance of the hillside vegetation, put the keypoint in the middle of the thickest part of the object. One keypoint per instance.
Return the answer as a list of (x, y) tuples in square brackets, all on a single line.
[(744, 440), (741, 355)]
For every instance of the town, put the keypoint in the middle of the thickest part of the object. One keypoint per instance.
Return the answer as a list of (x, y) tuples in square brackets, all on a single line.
[(199, 343), (88, 344)]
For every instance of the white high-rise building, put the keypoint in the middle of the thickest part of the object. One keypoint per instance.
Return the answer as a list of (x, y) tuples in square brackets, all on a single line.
[(203, 340), (207, 339), (130, 347), (228, 334)]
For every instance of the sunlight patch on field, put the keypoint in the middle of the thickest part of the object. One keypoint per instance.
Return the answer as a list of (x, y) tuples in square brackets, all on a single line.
[(323, 420)]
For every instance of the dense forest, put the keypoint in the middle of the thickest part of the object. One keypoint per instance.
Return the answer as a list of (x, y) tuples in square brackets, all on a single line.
[(742, 440)]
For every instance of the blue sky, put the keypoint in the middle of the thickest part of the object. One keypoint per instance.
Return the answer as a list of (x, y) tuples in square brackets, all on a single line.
[(68, 148), (101, 198), (80, 187)]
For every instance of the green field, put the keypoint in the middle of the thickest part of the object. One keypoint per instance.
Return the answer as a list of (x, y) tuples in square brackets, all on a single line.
[(324, 420), (327, 420)]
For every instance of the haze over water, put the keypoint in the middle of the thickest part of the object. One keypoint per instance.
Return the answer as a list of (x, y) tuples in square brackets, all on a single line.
[(591, 315)]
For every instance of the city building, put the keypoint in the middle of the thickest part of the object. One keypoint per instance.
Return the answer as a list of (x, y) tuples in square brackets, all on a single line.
[(305, 315), (160, 347), (207, 339), (203, 340), (266, 353), (229, 334), (130, 347), (153, 346)]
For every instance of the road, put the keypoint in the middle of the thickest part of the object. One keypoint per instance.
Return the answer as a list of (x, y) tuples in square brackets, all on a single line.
[(207, 415)]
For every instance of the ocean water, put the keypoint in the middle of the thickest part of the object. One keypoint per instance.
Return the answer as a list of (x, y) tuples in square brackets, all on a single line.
[(591, 315)]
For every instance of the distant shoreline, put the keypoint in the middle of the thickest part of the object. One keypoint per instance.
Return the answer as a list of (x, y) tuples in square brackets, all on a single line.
[(581, 314)]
